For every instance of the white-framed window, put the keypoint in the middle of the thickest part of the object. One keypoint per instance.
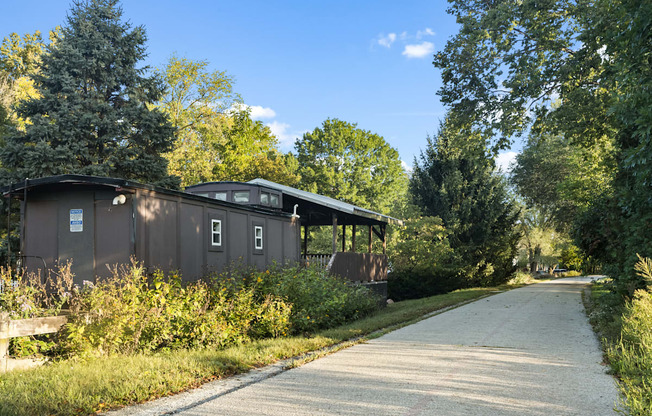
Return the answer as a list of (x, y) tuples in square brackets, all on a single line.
[(241, 196), (220, 195), (258, 237), (216, 233)]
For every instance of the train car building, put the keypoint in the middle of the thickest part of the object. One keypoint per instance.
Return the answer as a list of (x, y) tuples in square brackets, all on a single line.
[(100, 222)]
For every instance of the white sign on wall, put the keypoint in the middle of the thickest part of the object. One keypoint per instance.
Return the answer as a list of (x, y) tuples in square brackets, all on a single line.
[(76, 220)]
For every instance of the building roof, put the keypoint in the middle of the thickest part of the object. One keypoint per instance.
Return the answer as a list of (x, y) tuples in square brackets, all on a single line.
[(27, 184), (324, 201)]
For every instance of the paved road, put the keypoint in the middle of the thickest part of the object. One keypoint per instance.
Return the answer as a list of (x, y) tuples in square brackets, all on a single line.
[(528, 351)]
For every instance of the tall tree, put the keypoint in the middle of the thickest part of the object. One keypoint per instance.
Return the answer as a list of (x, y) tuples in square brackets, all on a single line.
[(344, 162), (93, 112), (455, 179), (559, 179), (216, 139)]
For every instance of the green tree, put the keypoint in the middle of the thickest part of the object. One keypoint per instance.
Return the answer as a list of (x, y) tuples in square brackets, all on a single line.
[(19, 60), (93, 112), (455, 179), (511, 60), (197, 102), (559, 179), (216, 139), (344, 162)]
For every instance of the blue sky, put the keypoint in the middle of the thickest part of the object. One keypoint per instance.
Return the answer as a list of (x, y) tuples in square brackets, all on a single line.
[(298, 63)]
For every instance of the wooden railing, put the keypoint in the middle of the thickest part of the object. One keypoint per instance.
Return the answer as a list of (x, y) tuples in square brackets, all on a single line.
[(320, 260), (360, 267), (11, 328)]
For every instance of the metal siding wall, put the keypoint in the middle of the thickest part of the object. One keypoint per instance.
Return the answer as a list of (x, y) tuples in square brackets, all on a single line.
[(40, 237), (113, 232), (291, 240), (77, 246), (162, 233), (274, 241), (238, 239), (192, 241)]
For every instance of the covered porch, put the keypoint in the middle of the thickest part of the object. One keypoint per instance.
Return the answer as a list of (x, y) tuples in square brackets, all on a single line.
[(359, 263)]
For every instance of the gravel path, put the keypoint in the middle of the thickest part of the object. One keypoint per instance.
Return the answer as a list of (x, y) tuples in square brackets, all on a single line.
[(528, 351)]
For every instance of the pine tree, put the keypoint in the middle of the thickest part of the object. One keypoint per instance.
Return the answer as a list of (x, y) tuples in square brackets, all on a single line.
[(455, 180), (94, 113)]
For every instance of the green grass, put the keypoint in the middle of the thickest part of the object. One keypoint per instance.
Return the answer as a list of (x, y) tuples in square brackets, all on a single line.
[(626, 334), (86, 387)]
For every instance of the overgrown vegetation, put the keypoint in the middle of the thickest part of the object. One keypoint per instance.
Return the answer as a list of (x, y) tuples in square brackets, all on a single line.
[(626, 332), (132, 313), (97, 384)]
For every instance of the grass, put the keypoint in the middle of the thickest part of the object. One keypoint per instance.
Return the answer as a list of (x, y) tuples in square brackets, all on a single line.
[(87, 387), (626, 334)]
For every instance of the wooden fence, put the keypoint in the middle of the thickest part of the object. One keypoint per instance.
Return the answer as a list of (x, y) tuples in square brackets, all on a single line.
[(11, 328)]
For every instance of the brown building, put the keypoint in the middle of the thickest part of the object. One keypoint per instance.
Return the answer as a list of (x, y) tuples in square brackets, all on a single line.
[(99, 222)]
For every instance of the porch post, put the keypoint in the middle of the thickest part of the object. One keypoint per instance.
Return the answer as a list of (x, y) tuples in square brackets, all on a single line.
[(334, 233), (370, 236), (383, 228), (305, 241), (353, 239), (343, 238)]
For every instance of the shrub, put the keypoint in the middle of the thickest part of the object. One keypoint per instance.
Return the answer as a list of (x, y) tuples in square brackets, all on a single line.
[(404, 284), (318, 300), (130, 313)]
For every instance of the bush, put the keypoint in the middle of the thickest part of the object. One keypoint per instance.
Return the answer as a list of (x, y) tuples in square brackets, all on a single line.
[(318, 299), (129, 313)]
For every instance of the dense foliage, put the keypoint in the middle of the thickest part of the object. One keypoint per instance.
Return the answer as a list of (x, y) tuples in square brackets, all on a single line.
[(353, 165), (92, 114), (455, 180), (132, 312), (577, 75)]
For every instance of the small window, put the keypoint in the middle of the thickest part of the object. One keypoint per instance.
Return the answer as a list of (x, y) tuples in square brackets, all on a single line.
[(264, 198), (241, 196), (202, 194), (273, 200), (220, 195), (216, 232), (258, 237)]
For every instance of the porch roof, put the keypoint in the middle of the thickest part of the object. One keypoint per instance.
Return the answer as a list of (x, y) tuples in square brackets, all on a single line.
[(317, 209)]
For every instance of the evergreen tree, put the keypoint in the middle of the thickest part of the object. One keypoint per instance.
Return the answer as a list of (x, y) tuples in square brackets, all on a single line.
[(93, 114), (455, 180)]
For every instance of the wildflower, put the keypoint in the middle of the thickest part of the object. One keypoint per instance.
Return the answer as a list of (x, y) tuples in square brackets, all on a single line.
[(260, 279)]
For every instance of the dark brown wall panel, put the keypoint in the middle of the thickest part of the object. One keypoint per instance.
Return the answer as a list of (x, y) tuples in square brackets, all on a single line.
[(274, 240), (41, 234), (113, 233), (192, 241), (77, 246), (238, 238), (162, 237)]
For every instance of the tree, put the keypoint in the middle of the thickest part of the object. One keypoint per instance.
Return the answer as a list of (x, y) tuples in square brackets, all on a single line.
[(216, 139), (93, 112), (455, 179), (559, 179), (511, 60), (344, 162), (19, 60)]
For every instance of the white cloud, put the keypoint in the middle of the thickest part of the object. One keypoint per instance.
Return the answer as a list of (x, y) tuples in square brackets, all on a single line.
[(504, 160), (426, 32), (258, 112), (280, 130), (408, 169), (386, 41), (420, 50)]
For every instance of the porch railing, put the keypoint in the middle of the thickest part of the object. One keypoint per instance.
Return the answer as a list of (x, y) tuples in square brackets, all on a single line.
[(357, 267)]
